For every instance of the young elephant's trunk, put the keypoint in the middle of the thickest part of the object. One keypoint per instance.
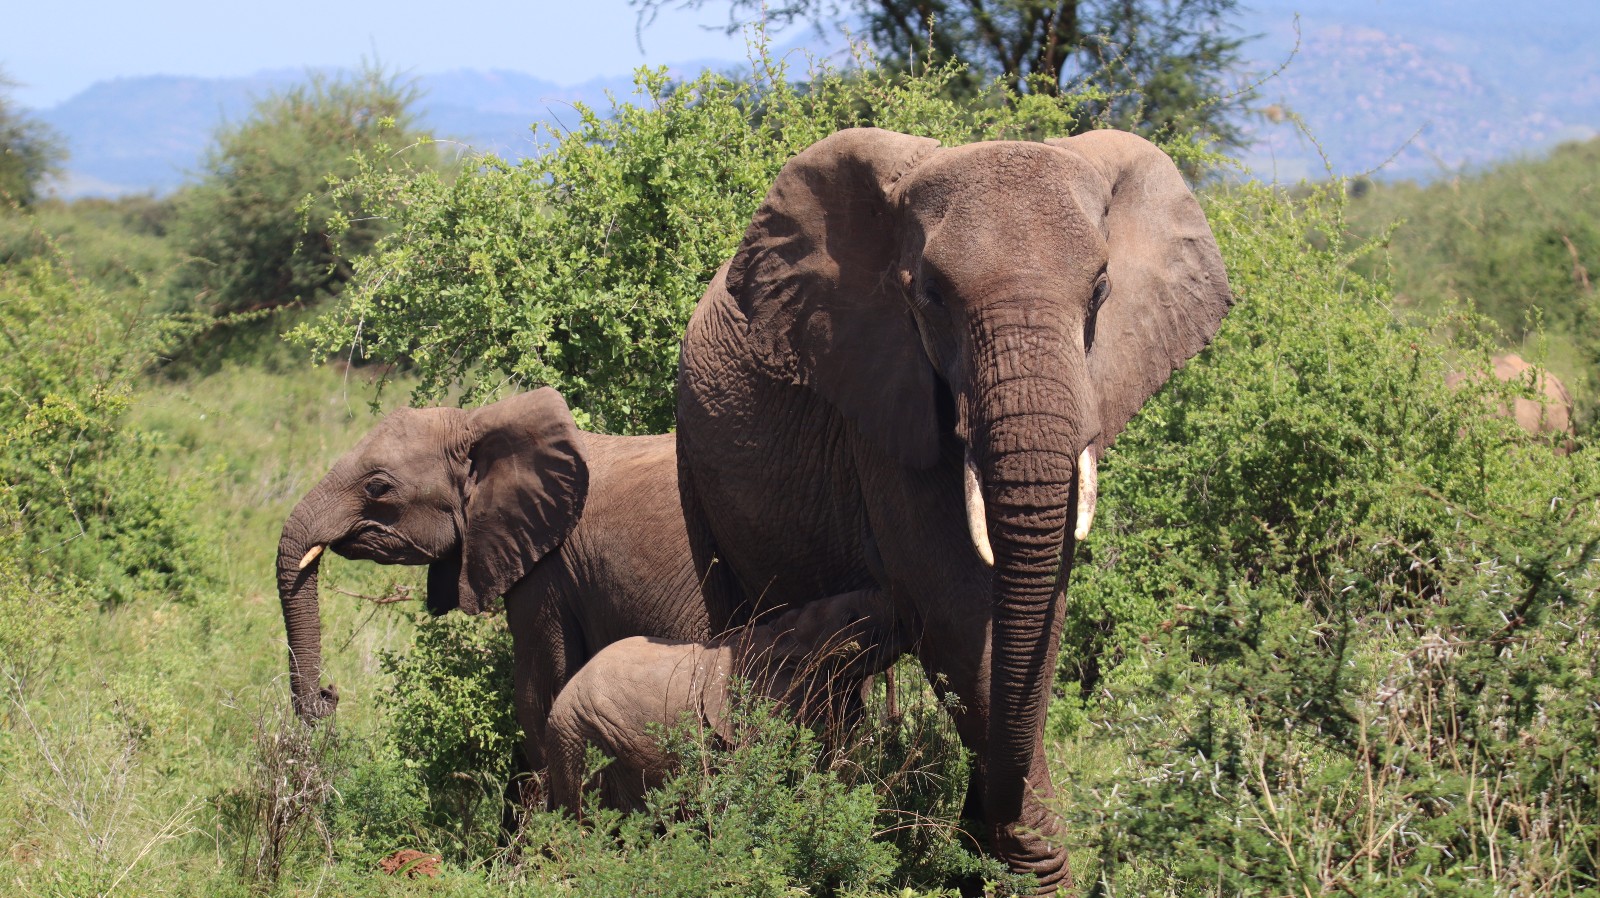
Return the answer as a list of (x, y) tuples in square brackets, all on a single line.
[(299, 557)]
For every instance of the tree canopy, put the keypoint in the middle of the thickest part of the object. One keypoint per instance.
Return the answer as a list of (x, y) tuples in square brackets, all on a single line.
[(1162, 65), (258, 230), (29, 150)]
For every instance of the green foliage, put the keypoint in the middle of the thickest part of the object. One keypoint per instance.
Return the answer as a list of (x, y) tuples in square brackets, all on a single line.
[(758, 815), (914, 760), (36, 614), (579, 267), (381, 806), (119, 245), (257, 232), (452, 721), (30, 150), (1338, 619), (93, 507), (1521, 241)]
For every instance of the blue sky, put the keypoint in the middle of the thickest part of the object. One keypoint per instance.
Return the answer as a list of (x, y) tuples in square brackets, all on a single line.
[(60, 47)]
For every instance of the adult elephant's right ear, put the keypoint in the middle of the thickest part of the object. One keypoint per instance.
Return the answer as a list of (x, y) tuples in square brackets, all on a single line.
[(525, 491), (813, 280)]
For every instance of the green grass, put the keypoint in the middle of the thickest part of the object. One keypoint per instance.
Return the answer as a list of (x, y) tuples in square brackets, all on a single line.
[(119, 758)]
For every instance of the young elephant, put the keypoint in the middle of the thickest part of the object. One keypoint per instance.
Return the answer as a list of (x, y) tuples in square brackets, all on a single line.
[(814, 659), (581, 533)]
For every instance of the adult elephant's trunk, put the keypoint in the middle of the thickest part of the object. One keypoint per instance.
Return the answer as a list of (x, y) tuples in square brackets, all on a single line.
[(299, 558), (1033, 417)]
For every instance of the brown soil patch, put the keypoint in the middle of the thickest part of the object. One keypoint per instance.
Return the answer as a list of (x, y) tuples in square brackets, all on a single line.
[(411, 862)]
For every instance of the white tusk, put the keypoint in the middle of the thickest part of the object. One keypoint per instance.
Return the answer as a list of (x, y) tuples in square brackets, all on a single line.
[(310, 556), (1088, 492), (976, 524)]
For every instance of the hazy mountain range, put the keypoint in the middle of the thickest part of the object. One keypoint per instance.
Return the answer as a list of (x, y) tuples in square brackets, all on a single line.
[(1420, 88)]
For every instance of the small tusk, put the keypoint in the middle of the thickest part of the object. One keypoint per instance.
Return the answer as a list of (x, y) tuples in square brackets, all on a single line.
[(310, 556), (977, 526), (1088, 492)]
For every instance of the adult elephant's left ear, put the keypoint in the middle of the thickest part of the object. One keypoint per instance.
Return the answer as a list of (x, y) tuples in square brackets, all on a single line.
[(1169, 291), (813, 280), (525, 491)]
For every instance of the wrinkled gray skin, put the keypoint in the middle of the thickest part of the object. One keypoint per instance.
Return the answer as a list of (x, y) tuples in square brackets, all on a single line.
[(814, 660), (581, 533), (898, 315)]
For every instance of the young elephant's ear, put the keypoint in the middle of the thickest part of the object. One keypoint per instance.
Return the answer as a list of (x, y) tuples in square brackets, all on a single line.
[(525, 491), (813, 279)]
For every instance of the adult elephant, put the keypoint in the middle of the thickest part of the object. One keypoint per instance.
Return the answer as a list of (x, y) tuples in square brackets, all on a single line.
[(581, 533), (905, 377)]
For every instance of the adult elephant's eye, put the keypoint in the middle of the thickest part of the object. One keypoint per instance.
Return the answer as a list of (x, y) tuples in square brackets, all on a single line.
[(931, 295), (1102, 292), (376, 489)]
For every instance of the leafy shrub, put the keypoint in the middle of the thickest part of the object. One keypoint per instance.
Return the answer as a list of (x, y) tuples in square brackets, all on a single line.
[(94, 507), (758, 815), (1520, 240), (452, 722), (579, 267), (30, 150), (36, 615), (381, 807), (1336, 619), (257, 232)]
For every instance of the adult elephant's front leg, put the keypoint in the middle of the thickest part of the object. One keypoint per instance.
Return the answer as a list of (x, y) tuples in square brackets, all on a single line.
[(940, 583)]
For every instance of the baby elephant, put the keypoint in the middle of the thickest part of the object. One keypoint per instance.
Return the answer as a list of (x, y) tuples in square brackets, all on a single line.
[(814, 660)]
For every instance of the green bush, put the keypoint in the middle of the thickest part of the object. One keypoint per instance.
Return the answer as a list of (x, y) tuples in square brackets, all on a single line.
[(381, 808), (261, 230), (37, 615), (1520, 240), (95, 508), (30, 150), (1336, 620), (579, 267), (760, 814), (452, 724)]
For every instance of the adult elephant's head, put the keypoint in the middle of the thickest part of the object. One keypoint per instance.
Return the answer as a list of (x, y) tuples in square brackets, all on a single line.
[(479, 496), (1028, 296)]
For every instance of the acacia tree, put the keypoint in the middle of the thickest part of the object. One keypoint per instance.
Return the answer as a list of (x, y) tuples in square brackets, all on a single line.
[(29, 150), (1163, 66)]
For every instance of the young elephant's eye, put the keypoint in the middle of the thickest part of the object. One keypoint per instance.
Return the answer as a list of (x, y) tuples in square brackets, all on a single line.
[(376, 489)]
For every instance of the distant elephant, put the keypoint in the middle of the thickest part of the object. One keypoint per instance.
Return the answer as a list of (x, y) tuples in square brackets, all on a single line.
[(905, 378), (1550, 417), (581, 532), (813, 659)]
